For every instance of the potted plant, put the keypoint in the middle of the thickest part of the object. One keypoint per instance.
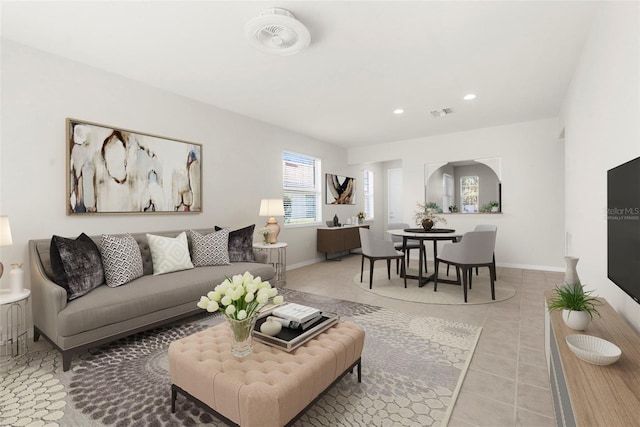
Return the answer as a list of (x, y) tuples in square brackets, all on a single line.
[(492, 206), (426, 215), (578, 306), (453, 209)]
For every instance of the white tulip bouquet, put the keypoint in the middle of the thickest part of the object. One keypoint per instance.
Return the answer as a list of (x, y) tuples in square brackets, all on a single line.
[(240, 297)]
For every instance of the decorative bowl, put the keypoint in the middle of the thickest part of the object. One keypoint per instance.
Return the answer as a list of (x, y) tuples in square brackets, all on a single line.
[(593, 349)]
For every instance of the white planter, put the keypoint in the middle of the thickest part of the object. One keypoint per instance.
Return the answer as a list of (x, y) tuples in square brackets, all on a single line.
[(576, 320)]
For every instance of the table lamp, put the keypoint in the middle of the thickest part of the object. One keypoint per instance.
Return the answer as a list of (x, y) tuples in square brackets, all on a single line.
[(272, 208), (5, 236)]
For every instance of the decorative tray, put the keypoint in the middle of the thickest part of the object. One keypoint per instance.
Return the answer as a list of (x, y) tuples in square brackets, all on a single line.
[(290, 339), (433, 230), (593, 349)]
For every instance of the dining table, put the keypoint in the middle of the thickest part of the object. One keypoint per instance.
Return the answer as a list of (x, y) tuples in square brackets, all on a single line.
[(420, 234)]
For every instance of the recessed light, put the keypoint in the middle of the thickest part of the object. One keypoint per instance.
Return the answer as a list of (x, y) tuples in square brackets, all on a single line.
[(398, 111), (469, 97)]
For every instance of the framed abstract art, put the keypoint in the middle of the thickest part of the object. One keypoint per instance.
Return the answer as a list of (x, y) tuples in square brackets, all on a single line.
[(118, 171), (340, 190)]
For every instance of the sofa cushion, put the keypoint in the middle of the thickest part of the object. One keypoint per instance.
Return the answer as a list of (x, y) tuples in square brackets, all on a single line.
[(210, 249), (121, 259), (76, 265), (241, 244), (169, 253)]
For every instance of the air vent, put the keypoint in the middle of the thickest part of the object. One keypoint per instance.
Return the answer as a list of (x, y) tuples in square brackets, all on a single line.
[(442, 112)]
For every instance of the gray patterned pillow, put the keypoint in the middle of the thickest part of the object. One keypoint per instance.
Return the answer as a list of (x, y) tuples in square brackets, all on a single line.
[(210, 249), (76, 265), (121, 259)]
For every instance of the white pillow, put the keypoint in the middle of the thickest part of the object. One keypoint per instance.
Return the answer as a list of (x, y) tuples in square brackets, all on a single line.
[(210, 249), (169, 254)]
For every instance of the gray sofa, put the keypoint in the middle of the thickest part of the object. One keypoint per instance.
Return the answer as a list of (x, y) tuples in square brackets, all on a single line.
[(106, 314)]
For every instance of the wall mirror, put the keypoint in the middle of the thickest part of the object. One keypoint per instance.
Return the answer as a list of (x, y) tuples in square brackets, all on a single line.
[(466, 186)]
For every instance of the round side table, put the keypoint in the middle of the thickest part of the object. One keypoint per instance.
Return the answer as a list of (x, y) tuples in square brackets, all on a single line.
[(13, 323), (277, 256)]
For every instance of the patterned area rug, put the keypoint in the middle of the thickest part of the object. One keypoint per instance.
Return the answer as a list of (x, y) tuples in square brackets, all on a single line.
[(412, 369)]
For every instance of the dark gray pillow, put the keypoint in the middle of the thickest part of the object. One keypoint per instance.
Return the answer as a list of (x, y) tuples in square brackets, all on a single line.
[(76, 265), (241, 244)]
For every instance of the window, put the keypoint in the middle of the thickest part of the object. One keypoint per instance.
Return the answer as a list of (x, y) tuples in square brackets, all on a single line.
[(368, 194), (469, 190), (302, 190)]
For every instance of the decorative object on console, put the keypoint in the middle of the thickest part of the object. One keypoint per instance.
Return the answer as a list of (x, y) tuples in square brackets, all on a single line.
[(578, 307), (361, 217), (240, 299), (16, 278), (336, 221), (169, 254), (571, 278), (113, 170), (241, 244), (272, 208), (593, 350), (341, 190), (5, 236)]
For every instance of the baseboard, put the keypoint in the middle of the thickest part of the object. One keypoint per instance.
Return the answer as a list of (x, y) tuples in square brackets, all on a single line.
[(531, 267), (304, 263)]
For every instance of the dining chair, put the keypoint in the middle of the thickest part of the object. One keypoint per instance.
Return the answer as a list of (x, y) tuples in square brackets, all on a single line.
[(485, 227), (411, 244), (376, 249), (474, 250)]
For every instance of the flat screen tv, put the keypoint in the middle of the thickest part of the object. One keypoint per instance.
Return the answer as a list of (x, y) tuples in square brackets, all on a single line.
[(623, 227)]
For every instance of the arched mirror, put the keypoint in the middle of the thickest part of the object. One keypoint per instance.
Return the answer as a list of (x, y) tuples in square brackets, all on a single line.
[(468, 186)]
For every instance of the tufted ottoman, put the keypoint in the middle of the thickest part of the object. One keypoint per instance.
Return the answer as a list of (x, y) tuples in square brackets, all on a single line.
[(269, 387)]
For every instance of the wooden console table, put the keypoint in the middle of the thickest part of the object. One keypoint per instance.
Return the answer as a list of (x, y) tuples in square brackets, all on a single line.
[(592, 395), (333, 240)]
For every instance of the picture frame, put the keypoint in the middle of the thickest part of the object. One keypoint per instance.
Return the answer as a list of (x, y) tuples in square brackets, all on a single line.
[(340, 190), (111, 170)]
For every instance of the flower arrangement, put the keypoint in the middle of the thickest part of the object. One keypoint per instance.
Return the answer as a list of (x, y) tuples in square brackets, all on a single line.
[(240, 297), (264, 232), (361, 216), (426, 211)]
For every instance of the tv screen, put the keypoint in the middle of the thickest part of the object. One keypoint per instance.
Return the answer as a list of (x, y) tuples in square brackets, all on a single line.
[(623, 227)]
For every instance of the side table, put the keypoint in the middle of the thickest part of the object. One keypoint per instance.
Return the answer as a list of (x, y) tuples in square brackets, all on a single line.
[(13, 324), (277, 256)]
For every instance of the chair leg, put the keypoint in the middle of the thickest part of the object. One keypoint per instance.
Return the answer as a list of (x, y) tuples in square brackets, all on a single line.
[(371, 261), (398, 266), (389, 269), (435, 274), (465, 274), (458, 276), (408, 256), (447, 269), (361, 268), (493, 288), (494, 267), (476, 271), (404, 273), (471, 276)]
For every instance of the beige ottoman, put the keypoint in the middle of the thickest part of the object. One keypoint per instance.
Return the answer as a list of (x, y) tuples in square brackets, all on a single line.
[(269, 387)]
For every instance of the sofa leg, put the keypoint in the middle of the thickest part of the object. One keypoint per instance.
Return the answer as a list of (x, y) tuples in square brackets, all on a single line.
[(67, 356), (36, 334)]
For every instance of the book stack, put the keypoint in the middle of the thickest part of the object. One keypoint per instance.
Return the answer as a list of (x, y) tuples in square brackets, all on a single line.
[(296, 316)]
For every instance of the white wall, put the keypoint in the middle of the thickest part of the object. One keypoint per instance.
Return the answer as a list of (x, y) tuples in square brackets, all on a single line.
[(242, 160), (601, 122), (531, 229)]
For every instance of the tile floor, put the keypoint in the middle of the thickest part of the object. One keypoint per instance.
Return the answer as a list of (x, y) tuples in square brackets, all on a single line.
[(507, 383)]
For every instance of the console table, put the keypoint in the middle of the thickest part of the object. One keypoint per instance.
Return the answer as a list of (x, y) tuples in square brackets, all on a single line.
[(333, 240), (592, 395)]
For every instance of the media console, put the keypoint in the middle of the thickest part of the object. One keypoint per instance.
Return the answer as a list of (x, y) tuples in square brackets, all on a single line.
[(591, 395), (333, 240)]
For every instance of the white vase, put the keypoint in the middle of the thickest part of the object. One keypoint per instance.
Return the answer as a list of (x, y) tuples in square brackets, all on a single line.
[(16, 278), (571, 273), (576, 320)]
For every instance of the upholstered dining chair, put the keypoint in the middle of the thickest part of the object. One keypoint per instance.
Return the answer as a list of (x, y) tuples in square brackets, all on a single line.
[(475, 250), (411, 244), (376, 249), (486, 227)]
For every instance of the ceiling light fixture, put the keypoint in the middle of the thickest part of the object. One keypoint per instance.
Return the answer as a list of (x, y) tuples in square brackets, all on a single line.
[(398, 111), (469, 96), (276, 31)]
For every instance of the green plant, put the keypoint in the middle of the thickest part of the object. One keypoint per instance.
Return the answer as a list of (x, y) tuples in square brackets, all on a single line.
[(574, 298), (453, 208), (426, 211), (489, 206), (433, 206)]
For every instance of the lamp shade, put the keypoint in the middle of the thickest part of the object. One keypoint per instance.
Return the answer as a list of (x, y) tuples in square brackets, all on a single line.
[(5, 231), (271, 207)]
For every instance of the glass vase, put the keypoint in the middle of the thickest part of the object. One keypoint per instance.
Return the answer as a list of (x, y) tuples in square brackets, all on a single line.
[(241, 345)]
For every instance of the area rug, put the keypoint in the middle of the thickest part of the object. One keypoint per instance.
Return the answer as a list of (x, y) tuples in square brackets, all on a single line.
[(446, 294), (412, 369)]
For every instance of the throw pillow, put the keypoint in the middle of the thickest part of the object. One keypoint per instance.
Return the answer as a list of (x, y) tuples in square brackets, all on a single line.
[(241, 244), (76, 265), (121, 259), (169, 253), (210, 249)]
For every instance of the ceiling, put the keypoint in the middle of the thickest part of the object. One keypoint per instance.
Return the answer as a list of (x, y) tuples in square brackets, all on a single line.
[(365, 59)]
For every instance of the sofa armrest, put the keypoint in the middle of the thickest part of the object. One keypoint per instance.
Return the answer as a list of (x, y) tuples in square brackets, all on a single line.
[(261, 256), (47, 298)]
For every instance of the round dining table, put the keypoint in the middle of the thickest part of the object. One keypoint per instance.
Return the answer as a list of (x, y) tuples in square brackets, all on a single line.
[(435, 235)]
